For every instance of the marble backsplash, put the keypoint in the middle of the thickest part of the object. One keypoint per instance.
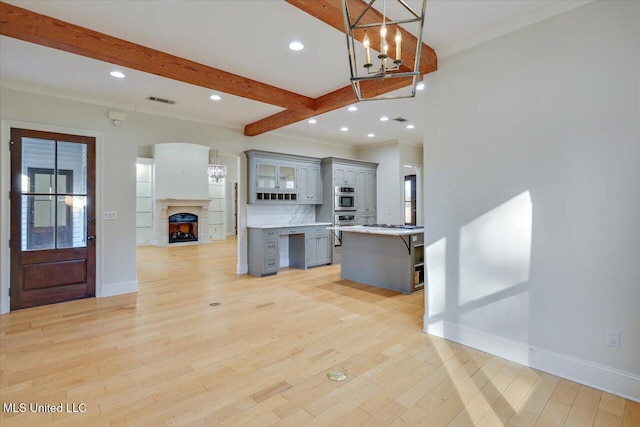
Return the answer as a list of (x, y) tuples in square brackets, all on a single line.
[(280, 214)]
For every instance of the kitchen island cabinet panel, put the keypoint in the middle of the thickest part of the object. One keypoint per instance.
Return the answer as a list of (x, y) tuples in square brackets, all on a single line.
[(387, 258)]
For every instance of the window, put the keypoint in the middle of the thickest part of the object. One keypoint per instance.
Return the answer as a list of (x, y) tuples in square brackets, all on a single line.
[(410, 200)]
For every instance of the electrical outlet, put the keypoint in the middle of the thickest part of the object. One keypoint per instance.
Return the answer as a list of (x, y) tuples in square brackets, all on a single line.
[(613, 338)]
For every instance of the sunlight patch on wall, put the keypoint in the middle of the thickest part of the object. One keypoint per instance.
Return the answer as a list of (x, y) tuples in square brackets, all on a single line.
[(435, 294), (495, 259), (495, 249)]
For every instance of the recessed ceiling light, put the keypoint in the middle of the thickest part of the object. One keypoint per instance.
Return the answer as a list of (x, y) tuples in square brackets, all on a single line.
[(420, 86), (410, 126), (296, 46), (117, 74), (344, 128), (215, 97), (312, 121), (384, 118), (371, 135), (353, 108)]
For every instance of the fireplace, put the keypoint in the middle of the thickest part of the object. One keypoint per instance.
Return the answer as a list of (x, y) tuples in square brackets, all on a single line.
[(188, 218), (183, 227)]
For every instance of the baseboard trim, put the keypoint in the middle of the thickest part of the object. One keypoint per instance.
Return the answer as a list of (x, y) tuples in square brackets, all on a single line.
[(242, 268), (620, 383), (112, 289)]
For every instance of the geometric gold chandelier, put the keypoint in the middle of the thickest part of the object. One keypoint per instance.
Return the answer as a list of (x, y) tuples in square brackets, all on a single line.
[(380, 59)]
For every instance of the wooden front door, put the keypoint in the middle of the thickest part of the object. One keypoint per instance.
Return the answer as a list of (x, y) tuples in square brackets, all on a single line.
[(52, 218)]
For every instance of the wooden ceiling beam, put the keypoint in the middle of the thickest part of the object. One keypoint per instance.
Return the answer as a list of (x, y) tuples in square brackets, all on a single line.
[(329, 102), (40, 29)]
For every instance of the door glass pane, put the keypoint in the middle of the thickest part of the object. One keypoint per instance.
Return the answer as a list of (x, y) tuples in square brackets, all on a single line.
[(72, 168), (38, 162), (287, 177), (54, 213), (38, 218), (72, 231)]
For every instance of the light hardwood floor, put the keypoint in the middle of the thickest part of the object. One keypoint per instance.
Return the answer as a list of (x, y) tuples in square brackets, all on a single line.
[(165, 356)]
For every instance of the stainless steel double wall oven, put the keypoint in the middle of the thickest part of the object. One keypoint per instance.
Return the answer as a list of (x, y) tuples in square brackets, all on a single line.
[(344, 198)]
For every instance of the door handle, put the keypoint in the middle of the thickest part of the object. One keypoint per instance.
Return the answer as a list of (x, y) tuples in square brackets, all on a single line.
[(91, 237), (90, 219)]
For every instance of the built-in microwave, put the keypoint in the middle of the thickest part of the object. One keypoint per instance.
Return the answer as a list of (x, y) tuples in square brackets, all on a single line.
[(345, 198)]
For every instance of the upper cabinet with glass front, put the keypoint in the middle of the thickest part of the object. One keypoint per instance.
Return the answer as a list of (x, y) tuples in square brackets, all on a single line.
[(273, 177)]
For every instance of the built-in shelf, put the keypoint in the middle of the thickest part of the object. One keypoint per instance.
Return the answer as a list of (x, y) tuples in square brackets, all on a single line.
[(276, 196), (418, 263), (217, 210), (144, 201)]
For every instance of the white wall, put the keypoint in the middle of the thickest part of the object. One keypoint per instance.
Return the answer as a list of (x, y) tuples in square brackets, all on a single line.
[(532, 196), (180, 171), (412, 155), (389, 183), (117, 159)]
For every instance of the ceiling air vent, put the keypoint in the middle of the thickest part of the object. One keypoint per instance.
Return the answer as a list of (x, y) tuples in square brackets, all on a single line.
[(162, 100), (400, 119)]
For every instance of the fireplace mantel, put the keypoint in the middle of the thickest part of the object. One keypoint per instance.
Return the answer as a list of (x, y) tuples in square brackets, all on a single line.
[(166, 207)]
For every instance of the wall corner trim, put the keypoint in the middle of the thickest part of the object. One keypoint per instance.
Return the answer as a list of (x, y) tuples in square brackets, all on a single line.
[(242, 269), (112, 289)]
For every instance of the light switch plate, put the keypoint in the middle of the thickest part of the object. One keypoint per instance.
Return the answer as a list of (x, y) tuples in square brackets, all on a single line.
[(110, 216)]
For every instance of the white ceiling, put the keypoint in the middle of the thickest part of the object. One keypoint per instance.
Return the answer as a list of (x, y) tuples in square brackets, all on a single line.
[(249, 38)]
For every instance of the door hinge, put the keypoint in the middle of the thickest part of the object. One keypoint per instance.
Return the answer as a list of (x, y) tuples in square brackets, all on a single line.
[(11, 144), (9, 291)]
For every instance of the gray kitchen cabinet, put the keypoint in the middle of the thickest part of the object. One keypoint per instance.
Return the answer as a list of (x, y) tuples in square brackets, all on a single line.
[(344, 175), (309, 184), (366, 184), (264, 256), (338, 172), (276, 178), (309, 246), (318, 248)]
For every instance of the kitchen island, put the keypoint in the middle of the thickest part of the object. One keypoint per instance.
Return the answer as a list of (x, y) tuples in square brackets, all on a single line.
[(386, 256)]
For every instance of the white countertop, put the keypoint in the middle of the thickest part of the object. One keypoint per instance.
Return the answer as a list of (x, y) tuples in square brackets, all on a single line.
[(379, 230), (305, 224)]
